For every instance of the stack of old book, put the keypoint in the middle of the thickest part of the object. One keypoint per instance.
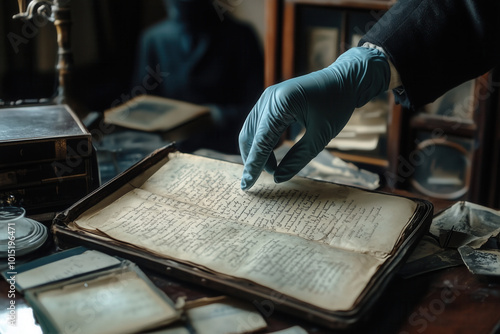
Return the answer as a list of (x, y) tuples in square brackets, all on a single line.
[(47, 161)]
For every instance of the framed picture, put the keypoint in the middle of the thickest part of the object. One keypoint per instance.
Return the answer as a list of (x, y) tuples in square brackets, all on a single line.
[(444, 166), (323, 47), (456, 103)]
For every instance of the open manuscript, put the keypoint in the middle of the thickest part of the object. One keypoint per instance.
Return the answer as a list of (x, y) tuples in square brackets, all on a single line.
[(324, 247)]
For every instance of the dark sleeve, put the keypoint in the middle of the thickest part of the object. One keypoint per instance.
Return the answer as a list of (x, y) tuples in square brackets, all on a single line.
[(436, 45)]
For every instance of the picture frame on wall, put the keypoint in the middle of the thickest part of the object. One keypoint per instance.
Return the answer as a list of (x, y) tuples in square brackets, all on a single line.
[(444, 168), (323, 47), (456, 103)]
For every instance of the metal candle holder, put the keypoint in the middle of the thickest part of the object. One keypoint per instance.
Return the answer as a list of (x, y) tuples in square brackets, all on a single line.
[(58, 12)]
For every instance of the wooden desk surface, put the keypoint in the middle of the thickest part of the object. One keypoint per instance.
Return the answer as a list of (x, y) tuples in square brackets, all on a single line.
[(449, 300)]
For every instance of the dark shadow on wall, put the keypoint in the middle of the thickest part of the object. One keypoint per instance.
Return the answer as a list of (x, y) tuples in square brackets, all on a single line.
[(104, 39)]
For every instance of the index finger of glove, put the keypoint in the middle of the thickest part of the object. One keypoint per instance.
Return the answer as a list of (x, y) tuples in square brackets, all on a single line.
[(260, 134)]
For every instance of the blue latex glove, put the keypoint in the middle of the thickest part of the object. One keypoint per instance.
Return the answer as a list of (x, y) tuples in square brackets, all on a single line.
[(322, 102)]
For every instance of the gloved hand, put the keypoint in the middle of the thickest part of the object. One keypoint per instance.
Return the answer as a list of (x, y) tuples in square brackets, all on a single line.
[(322, 102)]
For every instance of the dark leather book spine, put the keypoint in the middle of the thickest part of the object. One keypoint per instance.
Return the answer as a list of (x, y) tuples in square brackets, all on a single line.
[(22, 152), (42, 173)]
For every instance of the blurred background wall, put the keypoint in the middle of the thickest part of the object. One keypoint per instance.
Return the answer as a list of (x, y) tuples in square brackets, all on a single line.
[(104, 42)]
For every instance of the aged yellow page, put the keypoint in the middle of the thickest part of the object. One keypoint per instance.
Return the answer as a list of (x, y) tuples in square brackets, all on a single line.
[(313, 272), (337, 215), (192, 209)]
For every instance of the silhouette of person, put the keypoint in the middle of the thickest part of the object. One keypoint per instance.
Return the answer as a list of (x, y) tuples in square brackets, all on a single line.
[(207, 59)]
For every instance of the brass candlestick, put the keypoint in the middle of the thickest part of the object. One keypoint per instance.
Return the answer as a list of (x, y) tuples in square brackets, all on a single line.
[(58, 12)]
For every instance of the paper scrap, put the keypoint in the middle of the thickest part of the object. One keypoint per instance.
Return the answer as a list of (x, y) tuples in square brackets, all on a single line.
[(228, 317), (291, 330), (481, 262), (475, 223)]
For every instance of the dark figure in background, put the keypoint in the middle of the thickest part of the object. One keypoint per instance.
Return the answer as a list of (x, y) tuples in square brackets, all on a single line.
[(211, 59)]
